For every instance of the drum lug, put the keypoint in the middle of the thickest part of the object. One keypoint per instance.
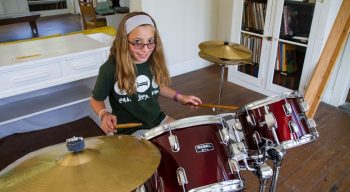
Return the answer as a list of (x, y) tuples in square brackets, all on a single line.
[(223, 132), (233, 164), (256, 138), (181, 177), (270, 121), (293, 127), (287, 109), (141, 189), (250, 120), (311, 123), (304, 106), (174, 143)]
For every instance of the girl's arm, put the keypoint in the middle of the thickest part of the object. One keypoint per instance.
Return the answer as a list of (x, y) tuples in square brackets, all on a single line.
[(108, 120), (170, 93)]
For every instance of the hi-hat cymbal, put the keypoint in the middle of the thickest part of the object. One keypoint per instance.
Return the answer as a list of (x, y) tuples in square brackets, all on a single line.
[(108, 163), (225, 50), (223, 61)]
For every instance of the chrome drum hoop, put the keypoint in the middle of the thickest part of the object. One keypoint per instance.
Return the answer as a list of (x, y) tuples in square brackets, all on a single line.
[(270, 100), (230, 185), (184, 123), (301, 141)]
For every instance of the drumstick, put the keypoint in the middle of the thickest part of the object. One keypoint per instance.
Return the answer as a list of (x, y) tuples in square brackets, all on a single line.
[(219, 106), (127, 125)]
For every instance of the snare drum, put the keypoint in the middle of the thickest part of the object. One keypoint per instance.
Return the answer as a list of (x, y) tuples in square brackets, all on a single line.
[(278, 120), (194, 156)]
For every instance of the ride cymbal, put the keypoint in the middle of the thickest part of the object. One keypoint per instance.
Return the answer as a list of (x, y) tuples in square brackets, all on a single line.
[(223, 61), (225, 50), (108, 163)]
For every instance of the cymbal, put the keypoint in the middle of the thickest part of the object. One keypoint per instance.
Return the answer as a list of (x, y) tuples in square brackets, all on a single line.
[(223, 61), (108, 163), (225, 50)]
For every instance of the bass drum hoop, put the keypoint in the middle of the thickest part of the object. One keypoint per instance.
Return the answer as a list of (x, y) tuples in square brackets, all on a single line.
[(184, 123)]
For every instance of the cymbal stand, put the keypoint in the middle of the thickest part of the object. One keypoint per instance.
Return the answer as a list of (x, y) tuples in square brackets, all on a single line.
[(221, 84), (276, 155), (264, 173)]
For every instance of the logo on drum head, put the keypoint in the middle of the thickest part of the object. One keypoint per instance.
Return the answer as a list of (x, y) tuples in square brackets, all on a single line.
[(204, 147)]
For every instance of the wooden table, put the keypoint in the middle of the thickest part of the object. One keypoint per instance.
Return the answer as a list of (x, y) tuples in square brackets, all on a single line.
[(19, 18)]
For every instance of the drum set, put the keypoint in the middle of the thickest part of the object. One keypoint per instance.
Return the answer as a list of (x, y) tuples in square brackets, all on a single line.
[(207, 153), (196, 154)]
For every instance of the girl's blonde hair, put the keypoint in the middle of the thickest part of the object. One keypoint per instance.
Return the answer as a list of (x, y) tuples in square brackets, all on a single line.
[(125, 69)]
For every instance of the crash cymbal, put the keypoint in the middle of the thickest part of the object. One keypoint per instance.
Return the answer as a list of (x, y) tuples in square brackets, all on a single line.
[(223, 61), (108, 163), (225, 50)]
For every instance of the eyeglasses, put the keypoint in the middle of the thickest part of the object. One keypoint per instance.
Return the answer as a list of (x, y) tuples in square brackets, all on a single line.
[(138, 45)]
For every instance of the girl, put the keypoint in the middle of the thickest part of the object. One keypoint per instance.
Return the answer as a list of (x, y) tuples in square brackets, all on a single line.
[(133, 77)]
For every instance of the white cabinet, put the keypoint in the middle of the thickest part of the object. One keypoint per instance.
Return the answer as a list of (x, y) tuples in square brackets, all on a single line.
[(31, 66), (11, 7), (283, 36)]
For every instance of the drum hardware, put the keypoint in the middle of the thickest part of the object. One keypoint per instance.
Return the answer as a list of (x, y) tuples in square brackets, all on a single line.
[(173, 141), (287, 108), (141, 189), (224, 53), (126, 161), (263, 172), (181, 177), (223, 132), (237, 151), (270, 121), (75, 144), (311, 123), (223, 186), (276, 154), (304, 106), (294, 129), (250, 120)]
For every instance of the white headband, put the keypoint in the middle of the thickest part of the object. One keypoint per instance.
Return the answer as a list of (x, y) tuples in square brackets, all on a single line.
[(136, 21)]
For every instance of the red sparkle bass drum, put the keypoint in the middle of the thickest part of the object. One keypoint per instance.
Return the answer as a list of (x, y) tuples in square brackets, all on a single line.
[(194, 156)]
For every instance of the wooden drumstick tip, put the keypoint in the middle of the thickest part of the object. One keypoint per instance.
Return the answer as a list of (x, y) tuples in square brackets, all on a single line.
[(127, 125)]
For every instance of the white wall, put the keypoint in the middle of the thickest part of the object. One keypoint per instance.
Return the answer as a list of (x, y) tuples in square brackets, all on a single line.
[(183, 25)]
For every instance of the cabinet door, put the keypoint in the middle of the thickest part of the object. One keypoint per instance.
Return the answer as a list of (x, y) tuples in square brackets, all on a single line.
[(290, 45), (2, 10), (15, 6), (255, 16)]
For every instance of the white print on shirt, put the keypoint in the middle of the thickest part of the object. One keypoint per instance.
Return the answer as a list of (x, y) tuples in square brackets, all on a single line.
[(143, 83), (155, 92), (154, 84), (143, 97), (117, 90), (124, 100)]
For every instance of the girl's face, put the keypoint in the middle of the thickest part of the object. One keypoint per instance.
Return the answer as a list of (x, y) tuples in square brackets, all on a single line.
[(141, 43)]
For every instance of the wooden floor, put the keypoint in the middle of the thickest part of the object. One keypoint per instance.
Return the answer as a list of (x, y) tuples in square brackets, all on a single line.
[(51, 25), (323, 165)]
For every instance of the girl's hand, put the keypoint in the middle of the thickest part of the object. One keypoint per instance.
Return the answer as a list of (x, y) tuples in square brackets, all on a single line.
[(108, 121), (189, 100)]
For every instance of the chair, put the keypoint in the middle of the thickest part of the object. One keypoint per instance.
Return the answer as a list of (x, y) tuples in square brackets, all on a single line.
[(88, 15)]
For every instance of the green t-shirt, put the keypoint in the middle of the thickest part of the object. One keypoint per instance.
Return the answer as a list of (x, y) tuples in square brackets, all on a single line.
[(141, 107)]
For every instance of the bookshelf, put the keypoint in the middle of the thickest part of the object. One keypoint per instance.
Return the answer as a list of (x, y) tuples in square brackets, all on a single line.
[(281, 36)]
